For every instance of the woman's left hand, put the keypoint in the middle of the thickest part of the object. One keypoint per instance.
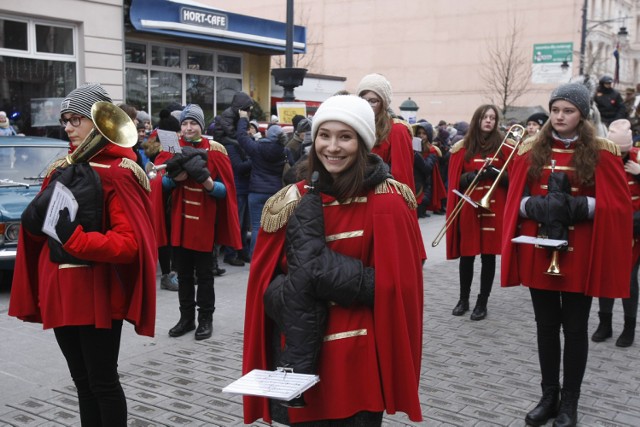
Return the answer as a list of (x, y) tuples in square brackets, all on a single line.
[(632, 167)]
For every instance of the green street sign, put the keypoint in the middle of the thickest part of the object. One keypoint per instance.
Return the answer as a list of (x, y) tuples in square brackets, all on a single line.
[(552, 53)]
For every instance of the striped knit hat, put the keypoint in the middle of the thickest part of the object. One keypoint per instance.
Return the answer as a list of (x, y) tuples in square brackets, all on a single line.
[(81, 99), (193, 112)]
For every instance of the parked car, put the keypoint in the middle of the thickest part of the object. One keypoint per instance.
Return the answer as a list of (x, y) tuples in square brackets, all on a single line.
[(23, 164)]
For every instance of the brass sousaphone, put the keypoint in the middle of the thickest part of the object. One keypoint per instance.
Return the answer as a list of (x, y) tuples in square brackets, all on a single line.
[(110, 125)]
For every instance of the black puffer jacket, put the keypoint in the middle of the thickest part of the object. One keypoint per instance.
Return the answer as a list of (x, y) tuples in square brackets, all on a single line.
[(227, 122)]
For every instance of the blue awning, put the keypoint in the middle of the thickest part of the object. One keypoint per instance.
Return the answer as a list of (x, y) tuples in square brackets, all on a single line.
[(187, 19)]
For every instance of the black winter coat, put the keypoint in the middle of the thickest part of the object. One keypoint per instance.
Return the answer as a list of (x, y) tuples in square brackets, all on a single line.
[(226, 123)]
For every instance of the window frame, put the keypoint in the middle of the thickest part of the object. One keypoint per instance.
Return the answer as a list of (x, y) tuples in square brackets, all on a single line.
[(31, 51)]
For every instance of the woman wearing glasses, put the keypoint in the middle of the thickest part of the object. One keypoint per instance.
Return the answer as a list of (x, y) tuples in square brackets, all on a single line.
[(393, 137), (99, 271)]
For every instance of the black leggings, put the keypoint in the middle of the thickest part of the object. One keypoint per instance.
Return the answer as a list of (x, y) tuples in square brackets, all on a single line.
[(92, 357), (629, 305), (487, 273), (571, 311)]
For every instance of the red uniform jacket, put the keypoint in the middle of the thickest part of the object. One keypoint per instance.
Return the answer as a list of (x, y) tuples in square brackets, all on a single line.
[(438, 190), (634, 189), (598, 262), (120, 280), (197, 219), (474, 231), (159, 200), (397, 151), (370, 358)]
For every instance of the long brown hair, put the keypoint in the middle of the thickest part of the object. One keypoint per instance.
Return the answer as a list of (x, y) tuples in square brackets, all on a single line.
[(475, 141), (349, 183), (584, 159), (383, 119)]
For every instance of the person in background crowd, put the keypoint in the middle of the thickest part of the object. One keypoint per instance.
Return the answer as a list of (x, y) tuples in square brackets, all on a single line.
[(98, 272), (203, 212), (301, 127), (609, 102), (254, 130), (434, 191), (268, 160), (620, 133), (393, 136), (144, 118), (161, 201), (629, 102), (5, 126), (534, 123), (476, 232), (142, 137), (309, 245), (566, 184)]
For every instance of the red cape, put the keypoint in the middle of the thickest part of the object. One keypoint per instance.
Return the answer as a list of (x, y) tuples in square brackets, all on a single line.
[(397, 150), (159, 200), (610, 246), (395, 254), (133, 284)]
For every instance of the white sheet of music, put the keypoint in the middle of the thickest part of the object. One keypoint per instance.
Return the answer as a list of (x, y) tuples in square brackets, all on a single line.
[(61, 198), (277, 384), (553, 243), (169, 141)]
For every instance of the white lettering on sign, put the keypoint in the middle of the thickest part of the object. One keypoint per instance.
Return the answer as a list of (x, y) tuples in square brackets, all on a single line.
[(207, 19)]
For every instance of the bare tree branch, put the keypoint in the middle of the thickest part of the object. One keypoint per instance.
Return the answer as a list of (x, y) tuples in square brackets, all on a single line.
[(507, 70), (301, 60)]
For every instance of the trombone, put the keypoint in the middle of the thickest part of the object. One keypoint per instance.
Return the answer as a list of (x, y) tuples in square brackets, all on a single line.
[(516, 132)]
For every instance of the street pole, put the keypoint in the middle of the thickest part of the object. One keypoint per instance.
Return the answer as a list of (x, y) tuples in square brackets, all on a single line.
[(289, 46), (583, 36)]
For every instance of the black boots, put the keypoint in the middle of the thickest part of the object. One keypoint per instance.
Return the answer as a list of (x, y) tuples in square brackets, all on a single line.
[(604, 330), (546, 408), (461, 308), (480, 310), (205, 327), (568, 412), (185, 324), (628, 333)]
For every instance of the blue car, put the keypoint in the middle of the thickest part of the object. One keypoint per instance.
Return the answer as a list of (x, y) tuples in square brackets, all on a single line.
[(23, 164)]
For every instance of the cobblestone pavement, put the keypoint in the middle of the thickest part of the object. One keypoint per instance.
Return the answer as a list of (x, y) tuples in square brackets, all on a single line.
[(474, 373)]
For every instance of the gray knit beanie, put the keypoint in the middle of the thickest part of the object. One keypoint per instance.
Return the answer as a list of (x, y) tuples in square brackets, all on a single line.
[(81, 99), (376, 83), (193, 112), (575, 93)]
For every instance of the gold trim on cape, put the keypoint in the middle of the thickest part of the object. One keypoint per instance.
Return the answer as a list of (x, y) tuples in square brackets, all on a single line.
[(140, 175), (343, 335), (392, 186), (279, 207), (345, 235), (216, 146)]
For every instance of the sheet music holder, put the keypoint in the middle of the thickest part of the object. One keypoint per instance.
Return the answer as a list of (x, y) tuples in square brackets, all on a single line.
[(540, 241), (61, 197), (465, 198), (280, 384), (169, 141)]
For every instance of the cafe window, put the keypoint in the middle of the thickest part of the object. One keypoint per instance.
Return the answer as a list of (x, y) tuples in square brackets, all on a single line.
[(38, 67), (159, 75)]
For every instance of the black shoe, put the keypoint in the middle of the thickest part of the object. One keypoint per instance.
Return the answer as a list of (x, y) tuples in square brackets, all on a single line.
[(568, 411), (184, 325), (480, 310), (604, 329), (245, 257), (546, 408), (217, 271), (628, 333), (236, 262), (205, 329), (440, 212), (461, 308)]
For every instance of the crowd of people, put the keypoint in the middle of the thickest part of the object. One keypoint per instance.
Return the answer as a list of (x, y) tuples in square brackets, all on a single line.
[(327, 217)]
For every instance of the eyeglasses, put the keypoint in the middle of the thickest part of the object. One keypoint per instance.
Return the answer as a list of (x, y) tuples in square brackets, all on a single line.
[(372, 101), (74, 120)]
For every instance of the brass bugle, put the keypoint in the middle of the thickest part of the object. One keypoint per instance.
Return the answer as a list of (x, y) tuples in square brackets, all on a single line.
[(554, 265), (517, 131), (110, 125), (152, 170)]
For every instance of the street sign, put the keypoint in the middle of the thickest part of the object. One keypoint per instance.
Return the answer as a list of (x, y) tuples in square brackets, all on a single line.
[(547, 61)]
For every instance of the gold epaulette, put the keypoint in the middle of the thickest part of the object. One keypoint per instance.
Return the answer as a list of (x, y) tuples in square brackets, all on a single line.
[(279, 207), (55, 165), (137, 172), (438, 151), (392, 186), (607, 145), (216, 146), (405, 123), (527, 144), (457, 146)]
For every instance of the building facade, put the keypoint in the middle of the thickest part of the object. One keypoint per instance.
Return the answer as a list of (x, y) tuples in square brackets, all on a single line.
[(148, 53)]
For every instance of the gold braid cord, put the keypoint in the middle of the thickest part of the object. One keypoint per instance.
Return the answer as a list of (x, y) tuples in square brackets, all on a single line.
[(526, 145), (137, 171), (601, 144), (216, 146), (393, 186), (61, 162), (404, 122), (457, 146), (279, 207)]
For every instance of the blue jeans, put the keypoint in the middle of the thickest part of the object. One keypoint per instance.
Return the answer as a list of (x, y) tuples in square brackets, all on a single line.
[(256, 203), (243, 217)]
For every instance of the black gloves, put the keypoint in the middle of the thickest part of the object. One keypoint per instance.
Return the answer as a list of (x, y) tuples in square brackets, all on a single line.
[(34, 214), (578, 208), (174, 165), (189, 152), (636, 223), (490, 173), (196, 167), (466, 179), (65, 227)]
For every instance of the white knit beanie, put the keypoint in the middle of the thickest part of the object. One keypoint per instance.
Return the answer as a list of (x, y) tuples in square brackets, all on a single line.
[(351, 110), (620, 133), (376, 83)]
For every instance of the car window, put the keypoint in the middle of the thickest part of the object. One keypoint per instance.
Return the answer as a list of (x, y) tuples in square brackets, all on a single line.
[(27, 164)]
